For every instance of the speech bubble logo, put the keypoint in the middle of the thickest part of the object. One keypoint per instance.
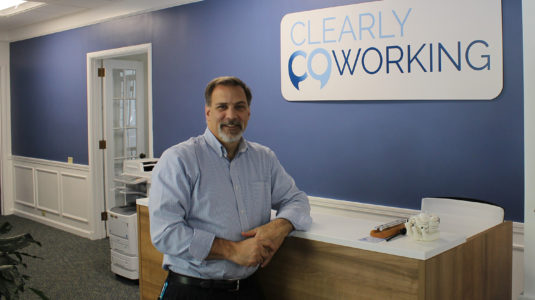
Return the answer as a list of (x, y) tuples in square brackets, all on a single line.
[(323, 77), (295, 78)]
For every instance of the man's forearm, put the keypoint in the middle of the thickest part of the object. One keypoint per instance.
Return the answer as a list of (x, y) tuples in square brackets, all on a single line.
[(259, 247), (284, 226), (221, 249), (249, 252)]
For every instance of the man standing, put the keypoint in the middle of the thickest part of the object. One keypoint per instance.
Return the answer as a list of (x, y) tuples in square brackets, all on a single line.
[(211, 199)]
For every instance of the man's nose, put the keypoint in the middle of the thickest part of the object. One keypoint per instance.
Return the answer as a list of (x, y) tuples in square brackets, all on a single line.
[(231, 113)]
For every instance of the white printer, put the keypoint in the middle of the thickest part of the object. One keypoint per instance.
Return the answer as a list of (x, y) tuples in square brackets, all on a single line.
[(122, 223), (122, 220), (139, 167)]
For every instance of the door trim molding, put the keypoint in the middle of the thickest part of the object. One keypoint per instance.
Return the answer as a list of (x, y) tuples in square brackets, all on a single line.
[(94, 126), (528, 28)]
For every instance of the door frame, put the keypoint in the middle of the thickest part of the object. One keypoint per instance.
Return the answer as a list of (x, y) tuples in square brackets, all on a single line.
[(2, 139), (94, 126), (528, 28), (7, 192)]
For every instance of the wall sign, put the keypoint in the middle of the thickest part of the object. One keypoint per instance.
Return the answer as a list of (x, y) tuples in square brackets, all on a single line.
[(394, 50)]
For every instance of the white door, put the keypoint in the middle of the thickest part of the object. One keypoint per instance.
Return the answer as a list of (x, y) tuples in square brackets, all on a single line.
[(124, 118)]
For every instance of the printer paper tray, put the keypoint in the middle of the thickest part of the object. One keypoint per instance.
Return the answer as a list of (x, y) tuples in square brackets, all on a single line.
[(128, 179)]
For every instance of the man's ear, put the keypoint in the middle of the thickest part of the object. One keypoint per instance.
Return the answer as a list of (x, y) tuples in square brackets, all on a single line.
[(207, 111)]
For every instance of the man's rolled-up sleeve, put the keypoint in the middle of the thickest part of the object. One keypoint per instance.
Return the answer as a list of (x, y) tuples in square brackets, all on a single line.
[(290, 203)]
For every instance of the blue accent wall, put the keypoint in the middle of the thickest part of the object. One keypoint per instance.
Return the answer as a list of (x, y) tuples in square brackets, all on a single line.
[(382, 152)]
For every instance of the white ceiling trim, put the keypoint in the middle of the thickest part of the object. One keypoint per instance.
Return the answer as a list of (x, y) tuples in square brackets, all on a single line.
[(100, 14), (20, 8)]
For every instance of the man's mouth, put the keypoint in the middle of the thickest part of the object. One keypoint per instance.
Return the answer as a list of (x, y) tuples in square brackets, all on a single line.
[(231, 125)]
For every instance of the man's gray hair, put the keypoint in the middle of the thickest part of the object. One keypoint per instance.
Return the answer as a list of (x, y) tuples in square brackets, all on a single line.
[(228, 81)]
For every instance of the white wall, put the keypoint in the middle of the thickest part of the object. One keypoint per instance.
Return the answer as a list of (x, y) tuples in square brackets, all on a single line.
[(4, 53), (528, 10), (5, 130)]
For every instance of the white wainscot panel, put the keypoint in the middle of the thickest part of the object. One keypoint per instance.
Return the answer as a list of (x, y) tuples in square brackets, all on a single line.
[(24, 185), (47, 190), (74, 191)]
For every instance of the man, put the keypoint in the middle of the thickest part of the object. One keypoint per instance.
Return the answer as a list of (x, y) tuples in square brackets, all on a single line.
[(211, 199)]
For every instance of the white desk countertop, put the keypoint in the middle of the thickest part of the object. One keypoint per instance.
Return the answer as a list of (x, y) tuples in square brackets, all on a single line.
[(142, 201), (348, 231)]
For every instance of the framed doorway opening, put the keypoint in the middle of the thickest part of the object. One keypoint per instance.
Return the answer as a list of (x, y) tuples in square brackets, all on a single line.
[(119, 105)]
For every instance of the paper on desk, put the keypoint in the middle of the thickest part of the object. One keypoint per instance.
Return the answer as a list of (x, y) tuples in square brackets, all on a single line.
[(371, 239)]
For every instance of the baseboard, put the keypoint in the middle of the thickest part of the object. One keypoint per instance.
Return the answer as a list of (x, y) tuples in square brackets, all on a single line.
[(526, 297), (55, 224)]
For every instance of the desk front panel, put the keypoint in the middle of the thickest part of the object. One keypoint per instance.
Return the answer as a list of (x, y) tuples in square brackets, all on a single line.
[(480, 268), (306, 269), (151, 274)]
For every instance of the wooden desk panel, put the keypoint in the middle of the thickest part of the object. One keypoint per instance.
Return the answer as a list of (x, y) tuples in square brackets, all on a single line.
[(151, 274), (306, 269), (481, 268)]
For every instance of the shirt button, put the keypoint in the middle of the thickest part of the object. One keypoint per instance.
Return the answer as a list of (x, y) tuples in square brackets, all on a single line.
[(242, 212), (236, 187)]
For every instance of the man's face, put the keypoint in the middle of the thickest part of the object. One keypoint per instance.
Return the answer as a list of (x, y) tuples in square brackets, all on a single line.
[(228, 113)]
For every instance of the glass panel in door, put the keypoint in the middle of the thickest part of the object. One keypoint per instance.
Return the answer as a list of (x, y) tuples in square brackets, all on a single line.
[(125, 124)]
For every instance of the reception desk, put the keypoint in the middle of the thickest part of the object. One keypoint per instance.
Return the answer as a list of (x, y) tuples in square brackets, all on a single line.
[(334, 261)]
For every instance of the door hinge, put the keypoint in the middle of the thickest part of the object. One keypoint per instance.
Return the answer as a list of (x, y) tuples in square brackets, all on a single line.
[(101, 72), (104, 216), (102, 144)]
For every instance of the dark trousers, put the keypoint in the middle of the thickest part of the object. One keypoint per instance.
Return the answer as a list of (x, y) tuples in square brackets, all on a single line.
[(175, 290)]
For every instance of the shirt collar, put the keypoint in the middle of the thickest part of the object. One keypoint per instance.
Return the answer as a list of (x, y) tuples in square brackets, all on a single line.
[(218, 147)]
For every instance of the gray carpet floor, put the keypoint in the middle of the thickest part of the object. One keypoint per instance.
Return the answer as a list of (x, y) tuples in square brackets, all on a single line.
[(71, 267)]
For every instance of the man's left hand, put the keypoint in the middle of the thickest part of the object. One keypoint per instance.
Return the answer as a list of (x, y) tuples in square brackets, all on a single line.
[(275, 231)]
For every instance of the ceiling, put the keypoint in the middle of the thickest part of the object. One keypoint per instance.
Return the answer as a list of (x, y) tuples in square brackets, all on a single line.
[(57, 15), (52, 10)]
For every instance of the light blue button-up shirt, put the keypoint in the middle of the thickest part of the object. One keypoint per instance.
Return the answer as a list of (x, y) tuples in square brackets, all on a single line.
[(198, 194)]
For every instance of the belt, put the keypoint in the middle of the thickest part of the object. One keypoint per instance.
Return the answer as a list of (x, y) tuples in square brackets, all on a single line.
[(222, 284)]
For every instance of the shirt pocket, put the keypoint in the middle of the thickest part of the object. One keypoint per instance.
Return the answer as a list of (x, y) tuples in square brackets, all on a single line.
[(260, 201)]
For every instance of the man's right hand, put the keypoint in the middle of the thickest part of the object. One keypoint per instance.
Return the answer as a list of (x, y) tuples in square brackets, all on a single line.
[(250, 252)]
